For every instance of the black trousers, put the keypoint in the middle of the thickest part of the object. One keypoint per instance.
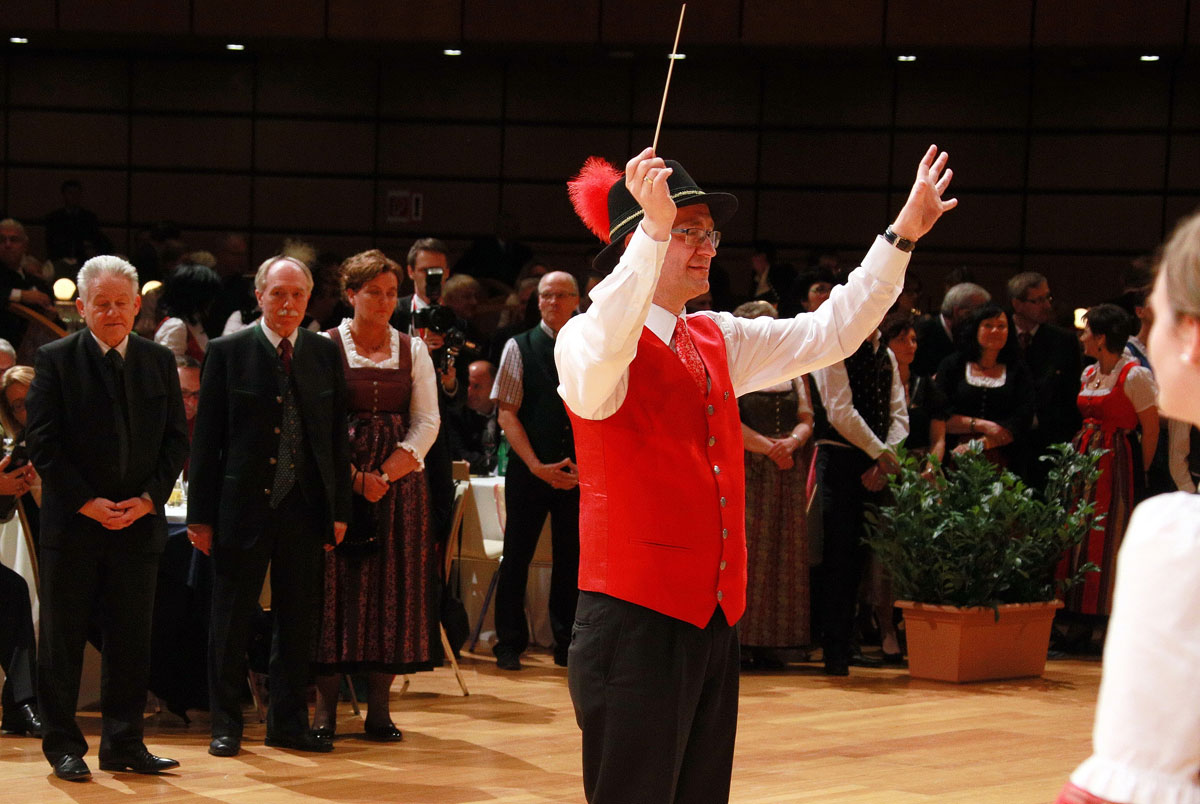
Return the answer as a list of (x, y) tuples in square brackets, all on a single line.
[(527, 499), (94, 574), (18, 649), (657, 700), (843, 498), (292, 545)]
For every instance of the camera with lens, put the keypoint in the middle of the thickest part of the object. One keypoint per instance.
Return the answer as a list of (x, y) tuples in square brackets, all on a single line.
[(441, 320)]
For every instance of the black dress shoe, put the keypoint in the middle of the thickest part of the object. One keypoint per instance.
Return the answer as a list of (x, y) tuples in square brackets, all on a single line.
[(72, 768), (837, 667), (857, 659), (138, 761), (387, 733), (322, 732), (896, 658), (225, 746), (508, 661), (301, 742), (560, 658), (24, 720)]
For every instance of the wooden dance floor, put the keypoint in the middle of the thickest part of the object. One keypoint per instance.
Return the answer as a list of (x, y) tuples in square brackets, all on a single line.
[(877, 736)]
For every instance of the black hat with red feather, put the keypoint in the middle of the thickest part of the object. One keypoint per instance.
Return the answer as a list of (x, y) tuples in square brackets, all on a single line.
[(606, 207)]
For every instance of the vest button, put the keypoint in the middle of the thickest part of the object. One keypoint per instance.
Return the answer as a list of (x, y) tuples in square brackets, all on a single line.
[(266, 491), (711, 410), (722, 565), (724, 533), (720, 595), (716, 469), (722, 502), (712, 440), (279, 400), (276, 431)]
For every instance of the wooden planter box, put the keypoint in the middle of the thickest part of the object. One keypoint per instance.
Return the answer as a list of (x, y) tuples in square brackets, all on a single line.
[(947, 643)]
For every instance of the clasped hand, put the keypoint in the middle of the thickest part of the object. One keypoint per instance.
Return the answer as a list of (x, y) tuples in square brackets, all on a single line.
[(562, 475), (18, 481), (116, 515)]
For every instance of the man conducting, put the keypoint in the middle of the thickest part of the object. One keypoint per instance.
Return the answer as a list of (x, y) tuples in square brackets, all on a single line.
[(106, 432), (652, 397), (269, 484)]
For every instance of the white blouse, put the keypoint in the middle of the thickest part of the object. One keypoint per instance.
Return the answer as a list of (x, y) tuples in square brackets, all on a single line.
[(173, 334), (1146, 738), (423, 416), (1139, 383)]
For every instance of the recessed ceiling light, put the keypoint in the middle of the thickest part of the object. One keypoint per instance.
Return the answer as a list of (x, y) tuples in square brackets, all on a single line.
[(906, 58), (18, 40), (1149, 57), (451, 51), (234, 46), (677, 56)]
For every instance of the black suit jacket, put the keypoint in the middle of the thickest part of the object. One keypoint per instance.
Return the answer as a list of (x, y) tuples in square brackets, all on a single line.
[(933, 345), (1053, 358), (72, 436), (236, 432)]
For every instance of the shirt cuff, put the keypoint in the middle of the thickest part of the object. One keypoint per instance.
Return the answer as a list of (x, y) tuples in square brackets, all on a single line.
[(1117, 782), (411, 450)]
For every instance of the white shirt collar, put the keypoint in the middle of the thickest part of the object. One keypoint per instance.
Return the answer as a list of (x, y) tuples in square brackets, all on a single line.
[(661, 322), (121, 347), (546, 329), (418, 303), (274, 337)]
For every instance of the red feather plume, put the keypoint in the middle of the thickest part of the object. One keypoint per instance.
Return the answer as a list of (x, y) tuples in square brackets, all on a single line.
[(589, 194)]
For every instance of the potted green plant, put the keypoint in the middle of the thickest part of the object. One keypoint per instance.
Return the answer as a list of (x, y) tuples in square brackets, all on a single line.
[(972, 551)]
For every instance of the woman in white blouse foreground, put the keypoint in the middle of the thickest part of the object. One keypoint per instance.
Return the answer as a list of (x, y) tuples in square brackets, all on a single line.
[(1146, 738), (380, 612)]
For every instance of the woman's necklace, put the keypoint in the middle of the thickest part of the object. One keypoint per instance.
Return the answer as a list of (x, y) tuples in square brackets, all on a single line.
[(1100, 374), (368, 349)]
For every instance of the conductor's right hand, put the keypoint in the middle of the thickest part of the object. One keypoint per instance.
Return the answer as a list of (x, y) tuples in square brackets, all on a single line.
[(561, 475), (201, 538), (646, 179)]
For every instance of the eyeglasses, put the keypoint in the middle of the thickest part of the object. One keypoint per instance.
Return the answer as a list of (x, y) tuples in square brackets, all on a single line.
[(557, 296), (695, 238), (1047, 299)]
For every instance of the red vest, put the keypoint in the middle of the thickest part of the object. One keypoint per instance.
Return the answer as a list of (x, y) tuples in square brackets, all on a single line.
[(663, 488)]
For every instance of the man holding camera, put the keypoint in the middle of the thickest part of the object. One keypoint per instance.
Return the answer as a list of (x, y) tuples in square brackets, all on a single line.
[(541, 477)]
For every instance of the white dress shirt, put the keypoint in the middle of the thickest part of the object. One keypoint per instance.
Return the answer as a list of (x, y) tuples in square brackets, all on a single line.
[(833, 384), (1146, 737), (509, 386), (173, 334), (593, 351)]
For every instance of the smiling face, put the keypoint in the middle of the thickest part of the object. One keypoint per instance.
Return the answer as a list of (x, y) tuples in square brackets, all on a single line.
[(684, 273), (993, 333), (111, 307), (1092, 343)]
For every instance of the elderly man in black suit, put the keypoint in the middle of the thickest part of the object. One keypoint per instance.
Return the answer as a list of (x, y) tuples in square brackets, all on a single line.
[(269, 484), (106, 433)]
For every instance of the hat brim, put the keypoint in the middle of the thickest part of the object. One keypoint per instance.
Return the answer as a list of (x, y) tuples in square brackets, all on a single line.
[(722, 206)]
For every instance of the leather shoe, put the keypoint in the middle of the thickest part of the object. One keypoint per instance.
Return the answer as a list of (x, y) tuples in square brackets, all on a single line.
[(140, 761), (301, 742), (896, 658), (837, 667), (72, 768), (857, 659), (387, 733), (508, 661), (225, 746), (322, 732), (24, 720), (560, 657)]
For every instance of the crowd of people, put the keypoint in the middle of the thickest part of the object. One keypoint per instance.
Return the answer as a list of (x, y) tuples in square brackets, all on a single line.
[(318, 408)]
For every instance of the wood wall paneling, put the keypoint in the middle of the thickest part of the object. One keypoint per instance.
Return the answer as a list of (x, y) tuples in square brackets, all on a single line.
[(1186, 100), (68, 138), (1084, 279), (1185, 162), (192, 199), (317, 146), (562, 22), (27, 16), (704, 91), (543, 208), (319, 86), (626, 22), (442, 87), (1097, 162), (194, 85), (70, 81), (32, 192), (952, 23), (1082, 23), (210, 143), (979, 159), (828, 159), (312, 204), (815, 23), (1178, 207), (573, 92), (1101, 96), (433, 149), (811, 94), (169, 17), (426, 21), (980, 221), (300, 19), (944, 94), (557, 153), (464, 209), (1094, 222), (711, 156), (820, 218)]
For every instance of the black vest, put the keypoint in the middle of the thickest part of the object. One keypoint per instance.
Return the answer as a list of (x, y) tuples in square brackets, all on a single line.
[(870, 374), (542, 412)]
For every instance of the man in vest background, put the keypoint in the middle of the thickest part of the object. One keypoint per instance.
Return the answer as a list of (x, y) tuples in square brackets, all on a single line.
[(865, 418), (541, 477), (652, 396)]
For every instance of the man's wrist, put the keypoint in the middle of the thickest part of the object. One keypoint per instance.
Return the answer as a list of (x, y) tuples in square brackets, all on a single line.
[(903, 241)]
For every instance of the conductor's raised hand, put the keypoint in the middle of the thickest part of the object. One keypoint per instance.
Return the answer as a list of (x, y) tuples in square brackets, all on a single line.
[(925, 204), (646, 179)]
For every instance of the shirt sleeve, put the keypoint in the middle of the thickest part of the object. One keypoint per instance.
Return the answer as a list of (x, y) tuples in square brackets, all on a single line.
[(424, 419), (833, 384), (765, 351), (1178, 448), (509, 387), (898, 426), (1146, 737), (593, 351), (803, 402), (1141, 388), (172, 333)]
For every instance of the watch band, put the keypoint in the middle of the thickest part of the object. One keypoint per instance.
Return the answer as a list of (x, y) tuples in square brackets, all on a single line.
[(902, 243)]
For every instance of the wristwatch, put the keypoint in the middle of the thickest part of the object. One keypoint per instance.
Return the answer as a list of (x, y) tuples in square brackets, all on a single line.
[(902, 243)]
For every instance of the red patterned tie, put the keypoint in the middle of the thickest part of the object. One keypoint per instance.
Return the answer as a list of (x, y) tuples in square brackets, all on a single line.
[(285, 355), (688, 354)]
